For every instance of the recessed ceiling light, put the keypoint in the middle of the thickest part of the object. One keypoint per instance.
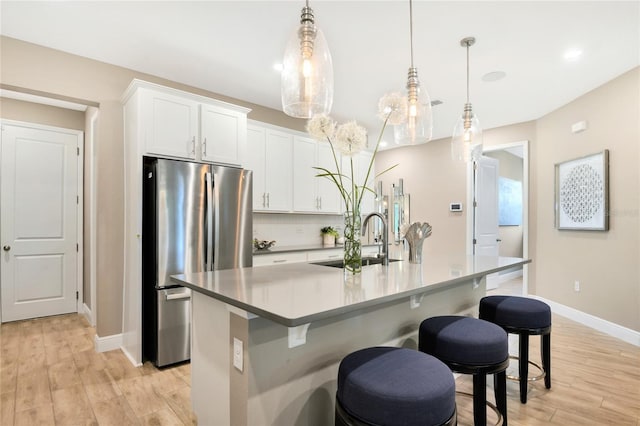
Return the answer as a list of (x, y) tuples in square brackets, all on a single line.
[(572, 54), (383, 144), (278, 67), (494, 76)]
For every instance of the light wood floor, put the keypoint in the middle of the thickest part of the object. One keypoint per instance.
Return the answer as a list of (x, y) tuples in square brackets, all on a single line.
[(50, 374)]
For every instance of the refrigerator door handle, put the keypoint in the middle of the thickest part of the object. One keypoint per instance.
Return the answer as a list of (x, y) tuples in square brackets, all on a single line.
[(210, 224)]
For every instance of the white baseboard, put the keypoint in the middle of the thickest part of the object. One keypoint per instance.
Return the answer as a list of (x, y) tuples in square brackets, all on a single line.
[(131, 358), (108, 343), (86, 312), (623, 333)]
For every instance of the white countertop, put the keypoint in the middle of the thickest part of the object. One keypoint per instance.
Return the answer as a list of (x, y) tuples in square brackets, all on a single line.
[(299, 293)]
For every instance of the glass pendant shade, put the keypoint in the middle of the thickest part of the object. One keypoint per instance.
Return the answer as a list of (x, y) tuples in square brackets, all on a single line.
[(307, 74), (418, 127), (466, 143)]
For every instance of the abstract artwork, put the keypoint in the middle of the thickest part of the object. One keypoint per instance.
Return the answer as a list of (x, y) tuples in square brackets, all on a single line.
[(582, 193), (509, 202)]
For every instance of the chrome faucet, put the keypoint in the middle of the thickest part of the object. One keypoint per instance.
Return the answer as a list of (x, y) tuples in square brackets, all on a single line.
[(385, 248)]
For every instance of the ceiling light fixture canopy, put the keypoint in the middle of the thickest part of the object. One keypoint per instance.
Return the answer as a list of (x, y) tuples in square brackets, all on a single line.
[(307, 74), (418, 127), (466, 143)]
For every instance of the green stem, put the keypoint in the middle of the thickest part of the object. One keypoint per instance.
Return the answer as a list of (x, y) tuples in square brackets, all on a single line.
[(375, 151)]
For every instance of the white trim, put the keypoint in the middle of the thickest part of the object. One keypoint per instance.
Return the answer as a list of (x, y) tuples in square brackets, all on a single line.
[(612, 329), (132, 360), (80, 223), (92, 213), (525, 203), (108, 343), (86, 312), (29, 97)]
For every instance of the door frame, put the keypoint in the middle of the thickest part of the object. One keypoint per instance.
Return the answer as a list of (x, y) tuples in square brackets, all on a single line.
[(524, 144), (79, 206)]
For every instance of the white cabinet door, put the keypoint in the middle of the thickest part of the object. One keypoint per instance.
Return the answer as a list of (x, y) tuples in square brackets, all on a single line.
[(255, 160), (368, 198), (278, 176), (305, 196), (269, 156), (171, 125), (328, 193), (222, 135)]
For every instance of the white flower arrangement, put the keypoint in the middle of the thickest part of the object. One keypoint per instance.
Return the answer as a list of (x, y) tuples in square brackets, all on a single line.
[(349, 139)]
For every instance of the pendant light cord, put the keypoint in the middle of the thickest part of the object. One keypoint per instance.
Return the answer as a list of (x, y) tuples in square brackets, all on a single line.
[(467, 72), (411, 29)]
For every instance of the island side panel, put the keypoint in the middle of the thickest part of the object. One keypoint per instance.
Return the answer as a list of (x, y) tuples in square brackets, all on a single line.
[(211, 360), (297, 386)]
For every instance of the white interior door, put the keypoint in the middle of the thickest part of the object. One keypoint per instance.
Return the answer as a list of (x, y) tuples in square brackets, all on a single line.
[(39, 222), (486, 236)]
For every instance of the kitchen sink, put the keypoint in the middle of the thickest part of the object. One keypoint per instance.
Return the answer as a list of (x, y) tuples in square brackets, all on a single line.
[(366, 261)]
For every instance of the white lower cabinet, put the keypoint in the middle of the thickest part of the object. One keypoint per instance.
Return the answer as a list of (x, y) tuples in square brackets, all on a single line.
[(279, 258), (328, 254)]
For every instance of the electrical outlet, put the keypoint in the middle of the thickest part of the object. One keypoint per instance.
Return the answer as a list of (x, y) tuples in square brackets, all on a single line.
[(238, 354), (576, 286)]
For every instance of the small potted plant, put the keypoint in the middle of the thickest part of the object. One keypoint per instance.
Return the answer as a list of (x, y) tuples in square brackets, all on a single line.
[(329, 235)]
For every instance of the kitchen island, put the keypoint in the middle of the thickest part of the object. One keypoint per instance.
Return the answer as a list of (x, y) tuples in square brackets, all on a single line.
[(286, 328)]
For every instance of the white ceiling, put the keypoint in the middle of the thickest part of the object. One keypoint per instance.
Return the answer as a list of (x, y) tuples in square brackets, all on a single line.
[(230, 47)]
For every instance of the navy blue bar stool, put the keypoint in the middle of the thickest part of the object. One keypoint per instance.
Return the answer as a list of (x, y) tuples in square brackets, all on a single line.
[(525, 317), (394, 386), (471, 346)]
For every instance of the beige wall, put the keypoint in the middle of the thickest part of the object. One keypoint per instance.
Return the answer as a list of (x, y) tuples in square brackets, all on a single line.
[(605, 263), (13, 109), (510, 236), (42, 69)]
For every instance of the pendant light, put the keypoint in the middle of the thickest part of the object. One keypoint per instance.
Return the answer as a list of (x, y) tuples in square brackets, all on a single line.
[(466, 143), (307, 71), (418, 127)]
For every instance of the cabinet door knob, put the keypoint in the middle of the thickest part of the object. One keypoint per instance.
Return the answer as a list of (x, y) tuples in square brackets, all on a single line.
[(6, 248)]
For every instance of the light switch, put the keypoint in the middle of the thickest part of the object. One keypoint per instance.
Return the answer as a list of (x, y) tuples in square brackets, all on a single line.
[(237, 353)]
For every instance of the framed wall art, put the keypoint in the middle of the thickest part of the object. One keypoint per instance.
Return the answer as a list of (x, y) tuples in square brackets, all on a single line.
[(582, 193)]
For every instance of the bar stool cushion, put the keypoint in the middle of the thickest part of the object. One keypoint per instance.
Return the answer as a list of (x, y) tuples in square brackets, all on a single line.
[(516, 312), (463, 340), (396, 386)]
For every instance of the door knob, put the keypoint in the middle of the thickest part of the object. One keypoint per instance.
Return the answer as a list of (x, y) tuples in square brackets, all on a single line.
[(6, 248), (498, 239)]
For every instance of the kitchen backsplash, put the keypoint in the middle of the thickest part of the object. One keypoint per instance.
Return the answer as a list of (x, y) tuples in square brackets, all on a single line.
[(293, 229)]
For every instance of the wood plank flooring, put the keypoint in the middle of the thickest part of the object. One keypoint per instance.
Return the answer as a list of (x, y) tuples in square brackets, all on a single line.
[(51, 375)]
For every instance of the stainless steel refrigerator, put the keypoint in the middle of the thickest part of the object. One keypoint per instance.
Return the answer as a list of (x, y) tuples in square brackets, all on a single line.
[(195, 217)]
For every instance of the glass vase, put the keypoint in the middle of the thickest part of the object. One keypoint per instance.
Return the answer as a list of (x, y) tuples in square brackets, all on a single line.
[(352, 244)]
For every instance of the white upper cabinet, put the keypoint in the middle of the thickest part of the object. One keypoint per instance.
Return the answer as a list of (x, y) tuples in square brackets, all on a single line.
[(269, 155), (173, 123), (313, 194), (222, 134), (170, 123)]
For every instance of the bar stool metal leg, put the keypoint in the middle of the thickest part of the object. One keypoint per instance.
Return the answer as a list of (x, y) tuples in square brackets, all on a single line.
[(546, 359), (500, 392), (523, 364), (479, 399)]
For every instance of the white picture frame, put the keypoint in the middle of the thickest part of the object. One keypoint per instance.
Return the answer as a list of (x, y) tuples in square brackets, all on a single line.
[(582, 193)]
